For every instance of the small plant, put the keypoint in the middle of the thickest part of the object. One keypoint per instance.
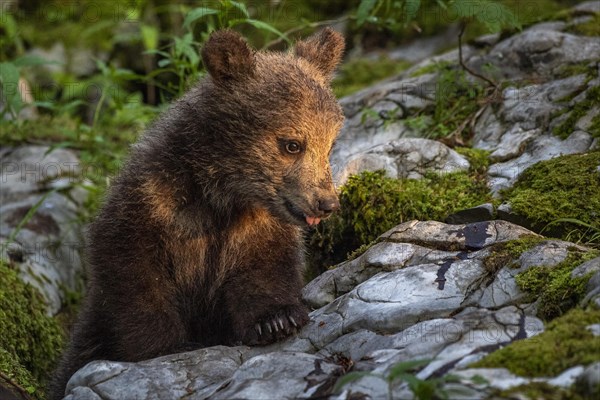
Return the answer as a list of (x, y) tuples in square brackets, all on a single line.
[(11, 84), (423, 389), (181, 57)]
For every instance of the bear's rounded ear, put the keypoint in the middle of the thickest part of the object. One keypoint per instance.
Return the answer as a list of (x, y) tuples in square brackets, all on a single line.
[(324, 50), (227, 56)]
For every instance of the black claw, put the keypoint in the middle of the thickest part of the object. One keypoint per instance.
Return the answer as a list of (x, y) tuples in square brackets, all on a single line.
[(259, 329), (275, 326)]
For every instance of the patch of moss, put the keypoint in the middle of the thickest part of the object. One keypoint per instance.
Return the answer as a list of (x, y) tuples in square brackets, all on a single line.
[(578, 111), (567, 70), (30, 341), (563, 192), (431, 68), (372, 203), (553, 287), (506, 253), (457, 99), (478, 159), (12, 370), (564, 344), (360, 73), (537, 390), (589, 28)]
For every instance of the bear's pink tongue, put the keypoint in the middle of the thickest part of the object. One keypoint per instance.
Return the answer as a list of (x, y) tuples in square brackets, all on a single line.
[(312, 220)]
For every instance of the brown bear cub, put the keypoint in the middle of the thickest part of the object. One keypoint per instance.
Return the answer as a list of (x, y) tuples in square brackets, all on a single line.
[(199, 242)]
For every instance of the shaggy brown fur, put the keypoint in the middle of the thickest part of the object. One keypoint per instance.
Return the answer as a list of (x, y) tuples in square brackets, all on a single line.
[(200, 239)]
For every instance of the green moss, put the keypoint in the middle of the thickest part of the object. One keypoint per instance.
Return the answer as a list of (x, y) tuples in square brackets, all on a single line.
[(565, 344), (17, 374), (360, 73), (506, 253), (553, 287), (587, 68), (431, 68), (589, 28), (30, 341), (537, 390), (567, 127), (478, 158), (372, 203), (361, 250), (456, 100), (563, 192)]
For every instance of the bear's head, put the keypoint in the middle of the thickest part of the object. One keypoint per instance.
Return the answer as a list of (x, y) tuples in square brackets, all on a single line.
[(277, 118)]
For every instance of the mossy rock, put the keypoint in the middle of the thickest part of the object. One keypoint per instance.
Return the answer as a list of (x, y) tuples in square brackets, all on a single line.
[(538, 390), (578, 111), (372, 203), (561, 197), (506, 253), (30, 340), (553, 287), (565, 344)]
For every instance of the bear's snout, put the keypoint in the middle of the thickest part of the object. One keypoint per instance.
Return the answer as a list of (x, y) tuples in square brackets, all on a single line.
[(328, 205)]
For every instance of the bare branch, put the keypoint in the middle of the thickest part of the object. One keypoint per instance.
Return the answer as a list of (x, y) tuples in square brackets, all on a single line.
[(461, 61)]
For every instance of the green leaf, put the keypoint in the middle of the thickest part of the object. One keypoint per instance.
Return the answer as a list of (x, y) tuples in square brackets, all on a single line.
[(412, 8), (31, 60), (493, 15), (241, 7), (477, 379), (159, 52), (349, 378), (364, 9), (149, 37), (401, 368), (9, 74), (196, 14), (266, 27)]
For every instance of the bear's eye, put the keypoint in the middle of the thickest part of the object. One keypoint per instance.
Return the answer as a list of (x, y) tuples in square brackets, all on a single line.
[(293, 147)]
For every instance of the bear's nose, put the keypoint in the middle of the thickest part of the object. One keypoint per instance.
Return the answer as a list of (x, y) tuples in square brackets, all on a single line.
[(327, 206)]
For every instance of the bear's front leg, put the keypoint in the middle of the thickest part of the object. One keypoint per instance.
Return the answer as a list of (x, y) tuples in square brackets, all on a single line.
[(263, 298)]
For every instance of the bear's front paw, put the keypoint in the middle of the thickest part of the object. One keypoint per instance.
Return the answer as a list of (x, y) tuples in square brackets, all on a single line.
[(277, 325)]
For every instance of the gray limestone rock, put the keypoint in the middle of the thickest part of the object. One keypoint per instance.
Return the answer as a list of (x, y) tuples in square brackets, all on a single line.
[(44, 245), (589, 381), (404, 158), (196, 374), (589, 267), (420, 292), (503, 175), (542, 51)]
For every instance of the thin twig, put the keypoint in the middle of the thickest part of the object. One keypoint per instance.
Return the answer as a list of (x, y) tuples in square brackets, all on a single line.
[(301, 27), (17, 387), (461, 61)]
